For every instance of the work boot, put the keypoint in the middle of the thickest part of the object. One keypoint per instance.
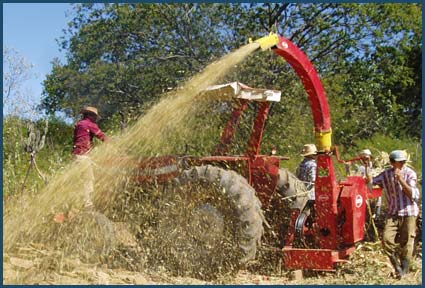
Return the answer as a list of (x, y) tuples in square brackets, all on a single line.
[(396, 265), (405, 266)]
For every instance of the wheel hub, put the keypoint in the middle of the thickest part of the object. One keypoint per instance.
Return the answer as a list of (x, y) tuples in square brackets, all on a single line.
[(207, 224)]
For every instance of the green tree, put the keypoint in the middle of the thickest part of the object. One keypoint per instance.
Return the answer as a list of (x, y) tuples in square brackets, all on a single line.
[(123, 56)]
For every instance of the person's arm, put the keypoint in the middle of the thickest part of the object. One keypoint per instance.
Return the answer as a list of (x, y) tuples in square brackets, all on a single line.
[(102, 136), (97, 132), (311, 177), (369, 178), (366, 168), (313, 173), (377, 180)]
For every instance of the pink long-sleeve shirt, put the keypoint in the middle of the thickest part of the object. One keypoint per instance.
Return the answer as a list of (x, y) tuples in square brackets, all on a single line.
[(84, 132)]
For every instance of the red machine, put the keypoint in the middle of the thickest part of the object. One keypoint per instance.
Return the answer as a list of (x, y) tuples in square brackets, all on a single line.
[(340, 208), (320, 234)]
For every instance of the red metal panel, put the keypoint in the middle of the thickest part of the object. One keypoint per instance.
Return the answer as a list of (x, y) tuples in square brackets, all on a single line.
[(310, 259), (353, 200), (314, 259), (290, 235), (375, 193), (313, 86), (326, 194)]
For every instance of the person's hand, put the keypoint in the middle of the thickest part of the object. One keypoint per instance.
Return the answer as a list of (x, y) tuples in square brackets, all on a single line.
[(369, 178), (397, 173)]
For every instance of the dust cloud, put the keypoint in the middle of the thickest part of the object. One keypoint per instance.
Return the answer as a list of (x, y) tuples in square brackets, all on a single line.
[(30, 220)]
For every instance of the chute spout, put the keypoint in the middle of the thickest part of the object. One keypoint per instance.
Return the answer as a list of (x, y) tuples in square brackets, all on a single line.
[(268, 42)]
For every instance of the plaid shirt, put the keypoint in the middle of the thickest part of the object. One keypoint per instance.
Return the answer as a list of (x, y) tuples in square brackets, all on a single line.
[(84, 132), (398, 202)]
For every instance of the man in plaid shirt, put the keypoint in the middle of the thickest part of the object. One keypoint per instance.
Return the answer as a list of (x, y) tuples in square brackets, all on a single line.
[(399, 183)]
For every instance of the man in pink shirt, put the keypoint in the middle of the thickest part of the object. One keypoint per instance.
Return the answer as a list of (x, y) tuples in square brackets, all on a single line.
[(84, 132)]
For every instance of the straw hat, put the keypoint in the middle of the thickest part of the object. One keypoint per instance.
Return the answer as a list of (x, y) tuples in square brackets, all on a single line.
[(309, 149), (89, 109)]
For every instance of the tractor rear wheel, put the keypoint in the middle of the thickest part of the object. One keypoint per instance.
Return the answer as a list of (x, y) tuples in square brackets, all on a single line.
[(292, 189), (291, 195), (210, 224)]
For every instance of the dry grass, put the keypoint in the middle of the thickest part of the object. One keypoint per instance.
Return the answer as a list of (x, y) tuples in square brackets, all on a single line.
[(34, 264)]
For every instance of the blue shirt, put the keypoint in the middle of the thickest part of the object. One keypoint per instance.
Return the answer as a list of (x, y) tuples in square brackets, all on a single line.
[(306, 172)]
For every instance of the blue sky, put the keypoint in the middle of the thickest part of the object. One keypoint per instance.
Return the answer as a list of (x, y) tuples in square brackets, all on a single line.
[(31, 29)]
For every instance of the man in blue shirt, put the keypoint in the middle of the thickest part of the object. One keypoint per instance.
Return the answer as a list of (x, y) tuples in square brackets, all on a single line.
[(306, 171)]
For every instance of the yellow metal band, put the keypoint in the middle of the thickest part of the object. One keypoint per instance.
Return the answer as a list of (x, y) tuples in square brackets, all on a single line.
[(267, 42), (323, 140)]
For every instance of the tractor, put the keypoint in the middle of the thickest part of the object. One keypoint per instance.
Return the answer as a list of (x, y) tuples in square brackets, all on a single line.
[(218, 209), (211, 214)]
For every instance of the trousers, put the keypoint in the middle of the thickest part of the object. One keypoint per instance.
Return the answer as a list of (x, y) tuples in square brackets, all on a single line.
[(399, 236), (87, 178)]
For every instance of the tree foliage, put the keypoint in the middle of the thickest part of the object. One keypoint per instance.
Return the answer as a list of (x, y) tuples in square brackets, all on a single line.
[(122, 56)]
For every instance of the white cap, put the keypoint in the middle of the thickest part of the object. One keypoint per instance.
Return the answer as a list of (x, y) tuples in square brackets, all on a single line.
[(398, 155), (365, 152)]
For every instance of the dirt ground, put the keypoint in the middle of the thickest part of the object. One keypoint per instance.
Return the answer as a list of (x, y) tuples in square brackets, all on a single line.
[(33, 264)]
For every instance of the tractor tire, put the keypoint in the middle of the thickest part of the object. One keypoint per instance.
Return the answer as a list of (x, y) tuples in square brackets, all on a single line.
[(291, 194), (211, 223)]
